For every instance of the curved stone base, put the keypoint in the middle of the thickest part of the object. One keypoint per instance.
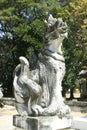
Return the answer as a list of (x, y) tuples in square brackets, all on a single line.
[(41, 123)]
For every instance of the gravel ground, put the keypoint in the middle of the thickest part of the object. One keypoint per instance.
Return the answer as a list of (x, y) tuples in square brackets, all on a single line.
[(6, 117)]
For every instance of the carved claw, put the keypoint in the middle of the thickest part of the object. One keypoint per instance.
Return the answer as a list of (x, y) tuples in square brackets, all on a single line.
[(37, 110)]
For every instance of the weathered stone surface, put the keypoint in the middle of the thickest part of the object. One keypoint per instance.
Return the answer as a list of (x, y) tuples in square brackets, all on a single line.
[(41, 123), (38, 82)]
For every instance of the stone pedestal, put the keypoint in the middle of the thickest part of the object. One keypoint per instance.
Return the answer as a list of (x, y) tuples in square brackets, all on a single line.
[(41, 123)]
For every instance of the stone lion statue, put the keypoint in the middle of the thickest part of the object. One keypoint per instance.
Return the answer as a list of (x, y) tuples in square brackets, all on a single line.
[(38, 82)]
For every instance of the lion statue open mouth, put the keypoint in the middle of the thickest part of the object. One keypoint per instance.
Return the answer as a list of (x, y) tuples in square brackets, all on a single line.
[(37, 89)]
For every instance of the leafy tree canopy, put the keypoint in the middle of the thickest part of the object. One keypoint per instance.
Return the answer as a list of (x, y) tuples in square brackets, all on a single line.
[(22, 29)]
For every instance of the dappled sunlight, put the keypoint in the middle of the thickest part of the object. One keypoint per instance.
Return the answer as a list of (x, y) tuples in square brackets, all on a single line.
[(76, 94)]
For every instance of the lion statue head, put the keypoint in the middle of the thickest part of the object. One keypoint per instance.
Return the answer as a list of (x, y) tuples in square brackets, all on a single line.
[(55, 32)]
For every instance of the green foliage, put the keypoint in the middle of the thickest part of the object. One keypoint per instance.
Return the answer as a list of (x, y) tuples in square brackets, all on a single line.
[(22, 29), (76, 45)]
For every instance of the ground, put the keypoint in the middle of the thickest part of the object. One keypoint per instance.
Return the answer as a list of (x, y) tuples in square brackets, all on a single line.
[(7, 112), (6, 117)]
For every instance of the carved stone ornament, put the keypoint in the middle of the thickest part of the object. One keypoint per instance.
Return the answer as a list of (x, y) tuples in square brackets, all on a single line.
[(38, 82)]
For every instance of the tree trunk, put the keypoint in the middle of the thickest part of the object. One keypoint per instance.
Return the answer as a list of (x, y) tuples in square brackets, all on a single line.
[(71, 93)]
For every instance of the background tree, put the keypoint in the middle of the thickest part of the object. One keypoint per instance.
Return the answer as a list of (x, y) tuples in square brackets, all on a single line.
[(22, 30), (76, 44)]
